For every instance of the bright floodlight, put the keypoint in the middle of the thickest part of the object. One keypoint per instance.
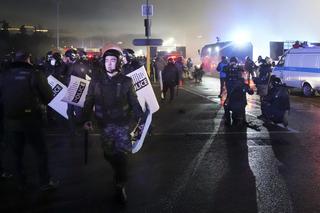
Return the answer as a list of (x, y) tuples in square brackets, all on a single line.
[(240, 38), (209, 50), (217, 49)]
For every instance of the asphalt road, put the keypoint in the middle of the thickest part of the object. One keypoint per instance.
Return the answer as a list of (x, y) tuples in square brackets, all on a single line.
[(190, 163)]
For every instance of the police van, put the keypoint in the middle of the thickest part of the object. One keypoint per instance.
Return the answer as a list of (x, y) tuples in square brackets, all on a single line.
[(300, 68)]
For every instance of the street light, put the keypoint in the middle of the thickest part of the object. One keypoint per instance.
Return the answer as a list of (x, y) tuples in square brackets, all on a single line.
[(58, 20)]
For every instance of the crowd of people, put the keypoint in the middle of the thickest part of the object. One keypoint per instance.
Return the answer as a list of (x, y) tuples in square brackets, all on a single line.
[(235, 81), (25, 92)]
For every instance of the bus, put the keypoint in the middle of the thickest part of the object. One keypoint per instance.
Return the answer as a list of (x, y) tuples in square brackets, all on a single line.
[(211, 53)]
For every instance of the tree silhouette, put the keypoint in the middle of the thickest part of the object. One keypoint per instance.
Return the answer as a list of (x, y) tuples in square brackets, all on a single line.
[(5, 25), (23, 30), (4, 37)]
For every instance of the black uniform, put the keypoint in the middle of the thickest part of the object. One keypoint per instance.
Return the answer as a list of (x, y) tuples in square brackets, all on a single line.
[(236, 100), (197, 74), (250, 67), (264, 73), (74, 113), (276, 103), (24, 91), (170, 78), (131, 66), (114, 99), (233, 74)]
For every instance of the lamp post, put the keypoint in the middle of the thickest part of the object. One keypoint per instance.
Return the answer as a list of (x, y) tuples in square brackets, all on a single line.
[(58, 24), (148, 34)]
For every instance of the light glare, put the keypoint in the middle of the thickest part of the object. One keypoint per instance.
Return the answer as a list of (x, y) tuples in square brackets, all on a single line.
[(241, 37)]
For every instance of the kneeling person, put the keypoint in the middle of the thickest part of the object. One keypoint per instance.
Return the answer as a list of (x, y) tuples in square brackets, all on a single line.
[(277, 102)]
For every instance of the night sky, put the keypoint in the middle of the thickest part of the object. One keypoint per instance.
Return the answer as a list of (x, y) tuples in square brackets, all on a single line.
[(191, 22)]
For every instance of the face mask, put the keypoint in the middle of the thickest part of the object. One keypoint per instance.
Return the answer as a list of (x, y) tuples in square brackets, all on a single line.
[(53, 62)]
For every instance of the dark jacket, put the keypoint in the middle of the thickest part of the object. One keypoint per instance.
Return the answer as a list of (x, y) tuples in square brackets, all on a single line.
[(234, 74), (24, 90), (264, 73), (250, 66), (277, 102), (56, 71), (77, 69), (114, 100), (170, 75), (131, 66), (237, 99)]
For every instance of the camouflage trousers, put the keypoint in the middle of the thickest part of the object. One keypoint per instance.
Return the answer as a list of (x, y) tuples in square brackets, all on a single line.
[(116, 145), (116, 139)]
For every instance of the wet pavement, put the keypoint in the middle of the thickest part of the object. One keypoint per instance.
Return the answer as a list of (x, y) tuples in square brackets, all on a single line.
[(190, 163)]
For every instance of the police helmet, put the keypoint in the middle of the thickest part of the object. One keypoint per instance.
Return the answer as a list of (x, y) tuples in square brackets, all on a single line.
[(170, 60), (129, 54), (82, 55), (109, 46), (72, 54), (49, 56), (275, 81), (233, 59), (56, 56), (115, 53)]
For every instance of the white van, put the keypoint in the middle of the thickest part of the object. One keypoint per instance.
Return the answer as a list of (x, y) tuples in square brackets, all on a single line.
[(300, 68)]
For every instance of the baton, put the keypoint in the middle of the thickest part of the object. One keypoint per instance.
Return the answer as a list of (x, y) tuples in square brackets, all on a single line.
[(86, 135), (177, 92)]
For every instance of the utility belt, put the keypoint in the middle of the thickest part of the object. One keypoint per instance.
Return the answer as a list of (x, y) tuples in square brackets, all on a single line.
[(115, 114)]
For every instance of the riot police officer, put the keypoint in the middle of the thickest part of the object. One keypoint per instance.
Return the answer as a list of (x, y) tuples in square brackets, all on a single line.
[(54, 66), (75, 68), (250, 68), (276, 102), (262, 83), (24, 91), (170, 79), (114, 98), (236, 100), (131, 63)]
